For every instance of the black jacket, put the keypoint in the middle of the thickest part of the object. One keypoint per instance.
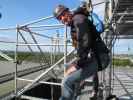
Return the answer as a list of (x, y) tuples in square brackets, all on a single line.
[(87, 37)]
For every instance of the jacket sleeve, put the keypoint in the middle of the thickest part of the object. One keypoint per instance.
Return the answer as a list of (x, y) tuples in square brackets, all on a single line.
[(74, 37), (83, 30)]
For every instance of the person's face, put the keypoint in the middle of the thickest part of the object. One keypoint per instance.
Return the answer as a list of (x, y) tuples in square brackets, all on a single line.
[(66, 18)]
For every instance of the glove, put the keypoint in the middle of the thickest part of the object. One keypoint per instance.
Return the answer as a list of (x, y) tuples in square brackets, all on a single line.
[(71, 66), (70, 69)]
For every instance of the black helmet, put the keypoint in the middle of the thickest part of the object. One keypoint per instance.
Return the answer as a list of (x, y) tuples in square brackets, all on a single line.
[(59, 10)]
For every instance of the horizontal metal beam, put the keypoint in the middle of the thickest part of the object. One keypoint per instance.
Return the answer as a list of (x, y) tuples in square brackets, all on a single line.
[(6, 57), (37, 21), (25, 97), (45, 36), (43, 82), (21, 73), (122, 36), (126, 13), (9, 42), (13, 42), (41, 45), (126, 22), (8, 29), (51, 26), (99, 3), (40, 76), (39, 26)]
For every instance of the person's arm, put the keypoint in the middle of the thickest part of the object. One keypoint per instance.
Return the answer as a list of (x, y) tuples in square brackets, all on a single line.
[(74, 37), (84, 38), (70, 67)]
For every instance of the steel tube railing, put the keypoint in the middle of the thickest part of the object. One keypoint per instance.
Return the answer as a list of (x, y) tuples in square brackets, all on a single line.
[(48, 26), (6, 29), (24, 41), (16, 56), (44, 82), (41, 45), (42, 35), (65, 46), (40, 76), (27, 25), (6, 57), (37, 21)]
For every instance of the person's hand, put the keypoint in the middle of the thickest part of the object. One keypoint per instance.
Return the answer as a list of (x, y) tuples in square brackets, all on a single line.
[(72, 68)]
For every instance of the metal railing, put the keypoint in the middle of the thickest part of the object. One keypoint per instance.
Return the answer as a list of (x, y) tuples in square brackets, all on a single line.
[(108, 36), (26, 28)]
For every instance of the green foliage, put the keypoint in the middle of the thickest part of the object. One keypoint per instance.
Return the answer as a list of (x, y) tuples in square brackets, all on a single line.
[(46, 58), (122, 62), (39, 57)]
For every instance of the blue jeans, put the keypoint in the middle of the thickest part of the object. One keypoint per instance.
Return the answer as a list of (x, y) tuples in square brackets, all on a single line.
[(76, 77)]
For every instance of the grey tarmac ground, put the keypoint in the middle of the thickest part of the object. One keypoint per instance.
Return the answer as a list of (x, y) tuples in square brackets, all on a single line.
[(122, 84)]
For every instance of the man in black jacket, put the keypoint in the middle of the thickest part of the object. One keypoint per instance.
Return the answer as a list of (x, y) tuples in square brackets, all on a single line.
[(85, 40)]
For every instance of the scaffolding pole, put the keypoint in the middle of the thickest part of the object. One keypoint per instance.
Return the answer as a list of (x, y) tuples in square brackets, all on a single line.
[(108, 22), (16, 57), (40, 76), (49, 69), (108, 11), (37, 21), (65, 45)]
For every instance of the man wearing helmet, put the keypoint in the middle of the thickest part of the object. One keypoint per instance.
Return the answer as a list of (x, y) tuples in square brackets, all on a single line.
[(85, 40)]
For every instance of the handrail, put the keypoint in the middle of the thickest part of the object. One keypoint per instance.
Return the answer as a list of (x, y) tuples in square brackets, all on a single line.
[(37, 21), (40, 76), (54, 25), (6, 57)]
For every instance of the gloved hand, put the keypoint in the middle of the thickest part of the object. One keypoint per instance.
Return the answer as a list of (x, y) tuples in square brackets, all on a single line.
[(70, 69), (71, 66)]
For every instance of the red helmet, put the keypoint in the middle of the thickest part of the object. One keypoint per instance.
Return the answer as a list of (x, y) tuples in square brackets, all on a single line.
[(59, 10)]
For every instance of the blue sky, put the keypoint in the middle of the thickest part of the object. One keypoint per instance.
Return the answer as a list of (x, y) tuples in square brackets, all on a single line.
[(22, 11)]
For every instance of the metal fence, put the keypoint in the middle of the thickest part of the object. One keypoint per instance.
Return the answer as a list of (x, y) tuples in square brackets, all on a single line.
[(51, 56)]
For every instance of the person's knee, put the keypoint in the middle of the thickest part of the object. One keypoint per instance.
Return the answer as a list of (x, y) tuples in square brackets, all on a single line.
[(66, 90), (67, 83)]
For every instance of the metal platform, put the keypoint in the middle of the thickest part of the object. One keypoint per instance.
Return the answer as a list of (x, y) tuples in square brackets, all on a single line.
[(122, 19), (123, 16)]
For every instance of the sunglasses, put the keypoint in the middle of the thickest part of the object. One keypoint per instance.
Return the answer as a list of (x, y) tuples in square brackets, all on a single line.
[(61, 16), (64, 17)]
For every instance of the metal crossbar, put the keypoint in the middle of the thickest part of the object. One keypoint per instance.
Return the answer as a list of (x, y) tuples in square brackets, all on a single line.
[(6, 57), (110, 12), (40, 76)]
